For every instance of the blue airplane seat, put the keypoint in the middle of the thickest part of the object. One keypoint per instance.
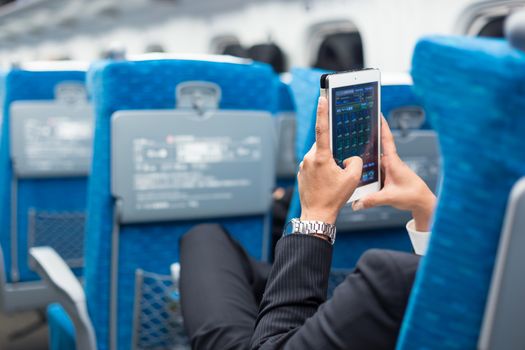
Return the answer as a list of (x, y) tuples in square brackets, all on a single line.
[(151, 246), (42, 203), (472, 89), (398, 97), (285, 101), (351, 243), (304, 86)]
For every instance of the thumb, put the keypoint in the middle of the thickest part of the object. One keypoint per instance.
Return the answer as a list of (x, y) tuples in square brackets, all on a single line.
[(370, 201), (353, 167)]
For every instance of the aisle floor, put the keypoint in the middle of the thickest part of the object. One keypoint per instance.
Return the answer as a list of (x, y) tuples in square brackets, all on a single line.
[(12, 323)]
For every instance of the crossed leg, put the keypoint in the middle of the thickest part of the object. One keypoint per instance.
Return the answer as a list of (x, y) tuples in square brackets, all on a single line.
[(221, 288)]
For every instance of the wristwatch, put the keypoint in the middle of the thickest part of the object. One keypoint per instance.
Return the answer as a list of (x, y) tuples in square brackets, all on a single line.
[(296, 226)]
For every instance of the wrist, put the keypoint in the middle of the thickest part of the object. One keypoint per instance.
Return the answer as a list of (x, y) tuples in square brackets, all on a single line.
[(423, 211), (326, 217)]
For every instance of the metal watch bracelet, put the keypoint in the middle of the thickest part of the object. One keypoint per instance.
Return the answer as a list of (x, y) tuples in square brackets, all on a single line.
[(311, 227)]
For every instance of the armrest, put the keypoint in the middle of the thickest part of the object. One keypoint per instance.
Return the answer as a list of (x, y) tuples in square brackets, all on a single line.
[(54, 270)]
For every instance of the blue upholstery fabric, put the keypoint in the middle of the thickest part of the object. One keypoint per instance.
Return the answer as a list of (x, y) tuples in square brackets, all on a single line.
[(474, 92), (305, 92), (285, 102), (38, 194), (153, 247), (395, 96), (349, 245), (61, 329)]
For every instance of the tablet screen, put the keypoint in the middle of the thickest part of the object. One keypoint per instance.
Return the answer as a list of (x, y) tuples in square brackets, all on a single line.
[(355, 127)]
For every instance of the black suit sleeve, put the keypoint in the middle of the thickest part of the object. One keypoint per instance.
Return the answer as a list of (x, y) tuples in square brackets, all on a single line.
[(364, 313)]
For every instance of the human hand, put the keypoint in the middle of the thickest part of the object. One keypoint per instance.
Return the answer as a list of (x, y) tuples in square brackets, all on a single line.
[(403, 188), (324, 188)]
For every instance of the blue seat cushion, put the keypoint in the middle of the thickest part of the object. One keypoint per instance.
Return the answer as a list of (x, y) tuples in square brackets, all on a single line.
[(474, 93)]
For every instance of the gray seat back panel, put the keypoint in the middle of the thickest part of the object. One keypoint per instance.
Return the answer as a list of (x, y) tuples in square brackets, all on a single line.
[(505, 313), (51, 138), (174, 165), (286, 159)]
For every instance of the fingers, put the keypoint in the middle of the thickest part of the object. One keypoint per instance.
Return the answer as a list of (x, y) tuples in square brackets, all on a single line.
[(322, 133), (372, 200), (387, 139), (353, 168)]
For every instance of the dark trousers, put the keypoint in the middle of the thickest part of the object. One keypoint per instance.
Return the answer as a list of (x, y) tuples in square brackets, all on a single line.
[(224, 307), (221, 289)]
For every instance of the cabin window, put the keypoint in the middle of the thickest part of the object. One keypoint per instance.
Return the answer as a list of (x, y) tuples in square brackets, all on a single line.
[(269, 53), (340, 51), (335, 45), (228, 45), (493, 28), (235, 49), (487, 19), (154, 48)]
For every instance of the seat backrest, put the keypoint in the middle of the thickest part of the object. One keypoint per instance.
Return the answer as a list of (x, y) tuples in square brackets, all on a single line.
[(378, 227), (285, 125), (147, 246), (399, 103), (505, 312), (44, 155), (473, 92)]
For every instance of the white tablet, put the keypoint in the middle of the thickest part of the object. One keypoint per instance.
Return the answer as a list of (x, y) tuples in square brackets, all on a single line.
[(354, 100)]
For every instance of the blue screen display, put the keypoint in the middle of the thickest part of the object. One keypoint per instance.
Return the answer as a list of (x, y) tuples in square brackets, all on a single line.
[(355, 127)]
